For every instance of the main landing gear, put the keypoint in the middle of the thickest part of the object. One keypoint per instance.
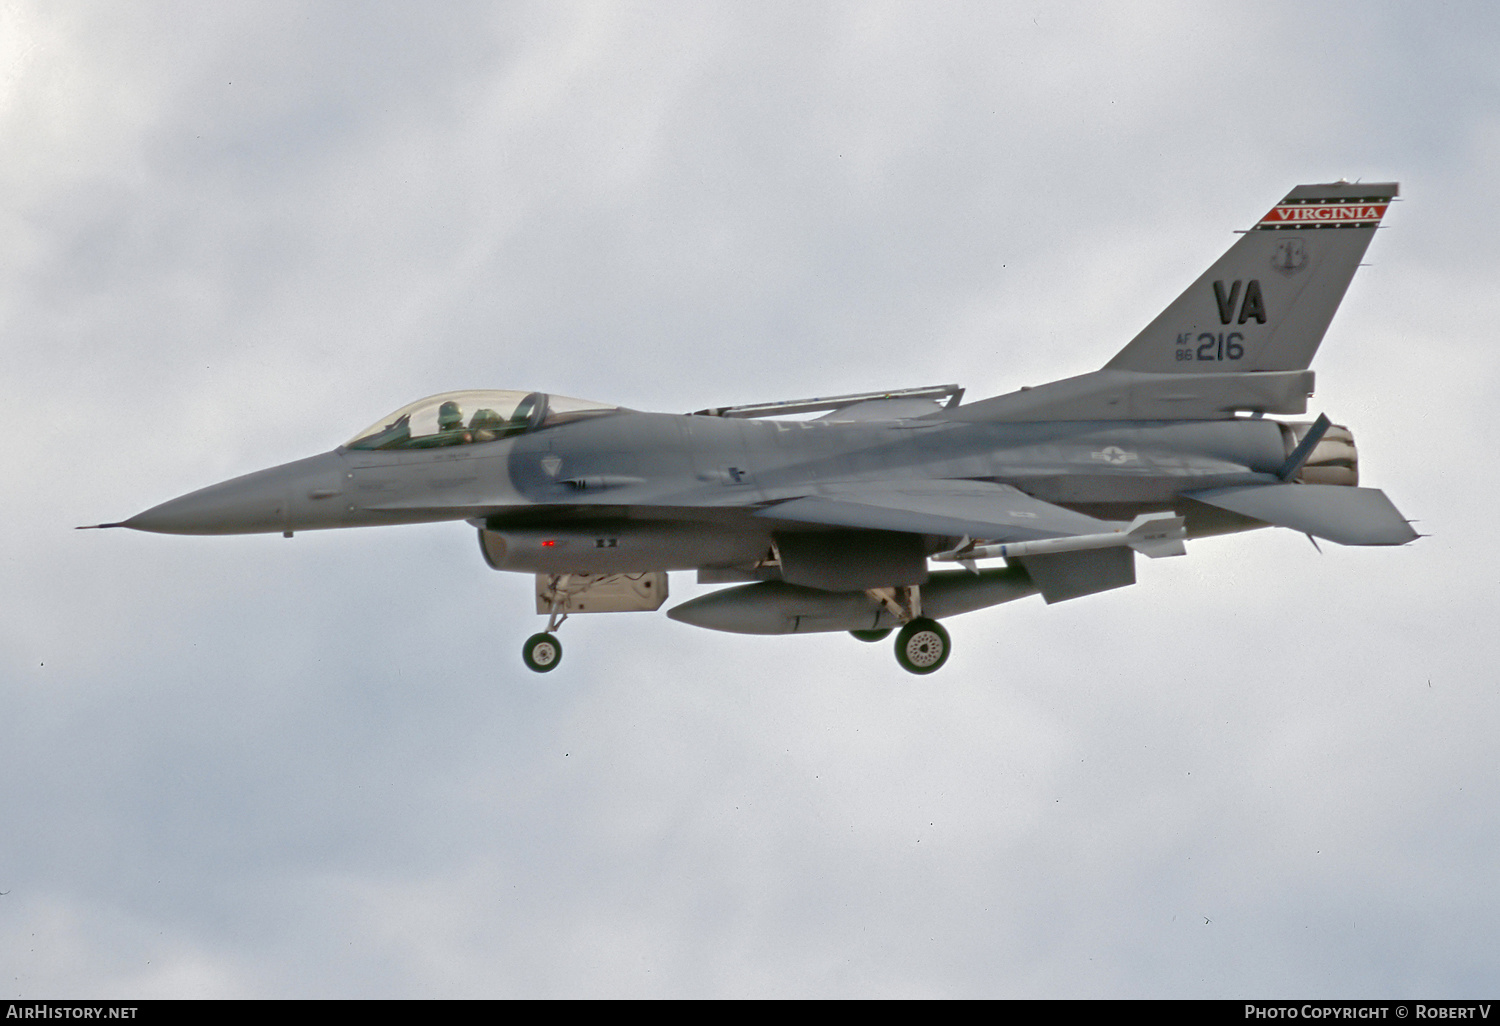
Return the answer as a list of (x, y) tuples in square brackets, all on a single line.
[(922, 646)]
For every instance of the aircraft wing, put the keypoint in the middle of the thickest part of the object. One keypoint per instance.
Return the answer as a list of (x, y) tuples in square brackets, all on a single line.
[(995, 512), (978, 509)]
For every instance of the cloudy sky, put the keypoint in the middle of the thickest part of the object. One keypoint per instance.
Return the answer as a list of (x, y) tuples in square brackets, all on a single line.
[(231, 235)]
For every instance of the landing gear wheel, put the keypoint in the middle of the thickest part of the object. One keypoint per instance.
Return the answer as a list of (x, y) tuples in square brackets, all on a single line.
[(922, 646), (872, 635), (542, 652)]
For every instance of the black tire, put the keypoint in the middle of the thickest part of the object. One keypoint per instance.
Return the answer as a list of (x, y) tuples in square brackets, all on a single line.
[(542, 652), (922, 646), (872, 635)]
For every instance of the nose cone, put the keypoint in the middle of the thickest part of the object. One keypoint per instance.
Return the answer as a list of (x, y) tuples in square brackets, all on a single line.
[(301, 496)]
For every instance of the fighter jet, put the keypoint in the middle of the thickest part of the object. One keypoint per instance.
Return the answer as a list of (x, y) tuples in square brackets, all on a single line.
[(828, 514)]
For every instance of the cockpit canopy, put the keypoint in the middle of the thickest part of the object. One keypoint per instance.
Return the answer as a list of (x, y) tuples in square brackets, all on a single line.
[(478, 415)]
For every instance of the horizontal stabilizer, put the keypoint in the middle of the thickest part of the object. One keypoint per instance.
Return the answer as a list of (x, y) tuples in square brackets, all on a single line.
[(1348, 516)]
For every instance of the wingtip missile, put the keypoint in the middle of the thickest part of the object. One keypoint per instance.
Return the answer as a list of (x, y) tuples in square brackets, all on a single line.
[(1151, 534), (1157, 534)]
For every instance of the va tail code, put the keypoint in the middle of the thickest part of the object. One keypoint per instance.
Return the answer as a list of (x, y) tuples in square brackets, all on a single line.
[(1253, 306)]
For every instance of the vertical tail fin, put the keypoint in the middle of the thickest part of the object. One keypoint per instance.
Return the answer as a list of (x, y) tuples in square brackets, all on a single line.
[(1265, 304)]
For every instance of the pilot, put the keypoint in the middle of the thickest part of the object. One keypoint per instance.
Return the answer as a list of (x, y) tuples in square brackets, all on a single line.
[(486, 425), (451, 424)]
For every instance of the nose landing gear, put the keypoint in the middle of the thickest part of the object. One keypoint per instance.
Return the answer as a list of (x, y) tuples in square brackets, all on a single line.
[(558, 595), (542, 652)]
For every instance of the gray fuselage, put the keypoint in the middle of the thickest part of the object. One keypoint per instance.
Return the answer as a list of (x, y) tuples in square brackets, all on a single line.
[(629, 491)]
